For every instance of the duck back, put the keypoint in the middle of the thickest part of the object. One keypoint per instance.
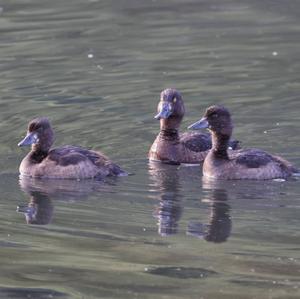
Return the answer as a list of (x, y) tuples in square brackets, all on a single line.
[(70, 162), (252, 164)]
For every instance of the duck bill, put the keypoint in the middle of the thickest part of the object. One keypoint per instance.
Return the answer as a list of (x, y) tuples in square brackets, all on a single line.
[(25, 209), (200, 124), (164, 112), (30, 138)]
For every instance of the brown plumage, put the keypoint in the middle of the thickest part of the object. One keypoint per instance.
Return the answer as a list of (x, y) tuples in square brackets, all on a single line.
[(240, 164), (172, 147), (67, 162)]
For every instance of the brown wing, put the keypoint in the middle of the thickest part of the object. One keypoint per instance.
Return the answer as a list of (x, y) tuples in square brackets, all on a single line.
[(196, 142), (73, 155), (200, 142), (252, 158), (258, 164)]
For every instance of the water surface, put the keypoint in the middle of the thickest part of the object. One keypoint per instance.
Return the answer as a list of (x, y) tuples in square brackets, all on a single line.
[(96, 69)]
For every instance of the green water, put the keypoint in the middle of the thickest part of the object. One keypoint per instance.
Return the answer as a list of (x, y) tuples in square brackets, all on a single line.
[(96, 69)]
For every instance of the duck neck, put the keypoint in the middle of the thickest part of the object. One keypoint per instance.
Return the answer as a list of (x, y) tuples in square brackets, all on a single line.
[(169, 134), (169, 128), (220, 145), (38, 153)]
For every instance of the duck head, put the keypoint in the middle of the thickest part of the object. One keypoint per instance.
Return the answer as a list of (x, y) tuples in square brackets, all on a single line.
[(39, 135), (170, 109), (217, 119)]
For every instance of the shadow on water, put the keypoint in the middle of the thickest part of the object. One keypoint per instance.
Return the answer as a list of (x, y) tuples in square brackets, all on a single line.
[(182, 272), (33, 293), (40, 207)]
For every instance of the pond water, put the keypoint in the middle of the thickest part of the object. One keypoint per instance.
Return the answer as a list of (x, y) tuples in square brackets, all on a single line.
[(96, 69)]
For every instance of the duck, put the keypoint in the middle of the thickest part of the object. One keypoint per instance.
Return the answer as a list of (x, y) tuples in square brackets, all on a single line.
[(172, 147), (242, 164), (66, 162)]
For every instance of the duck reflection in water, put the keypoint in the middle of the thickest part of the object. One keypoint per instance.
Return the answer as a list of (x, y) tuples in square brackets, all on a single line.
[(169, 209), (245, 194), (167, 180), (43, 193), (39, 209), (219, 226)]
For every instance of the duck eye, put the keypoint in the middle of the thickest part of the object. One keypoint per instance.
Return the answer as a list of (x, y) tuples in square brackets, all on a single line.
[(214, 115)]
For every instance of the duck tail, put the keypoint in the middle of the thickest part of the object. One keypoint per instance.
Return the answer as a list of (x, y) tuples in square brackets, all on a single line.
[(116, 170)]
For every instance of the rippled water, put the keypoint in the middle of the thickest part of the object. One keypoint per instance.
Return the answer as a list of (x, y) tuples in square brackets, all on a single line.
[(96, 68)]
